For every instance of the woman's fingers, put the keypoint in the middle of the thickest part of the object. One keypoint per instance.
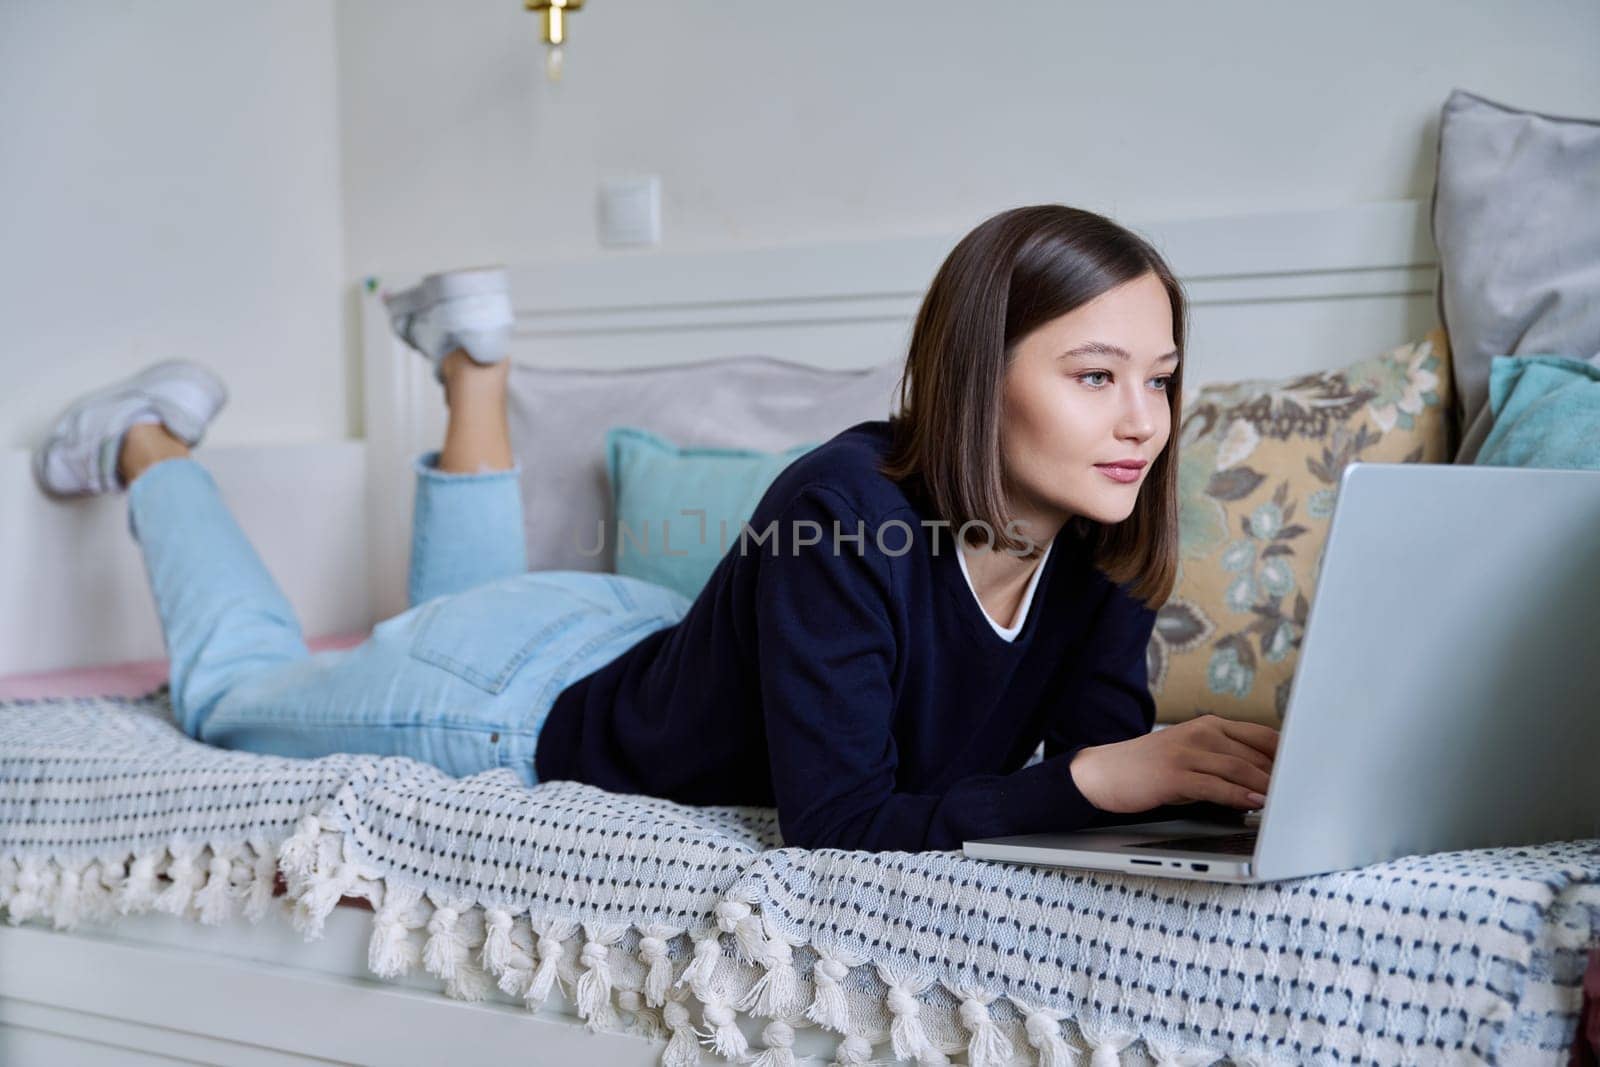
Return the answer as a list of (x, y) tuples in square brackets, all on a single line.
[(1200, 786), (1231, 769), (1263, 739), (1254, 756), (1223, 744), (1214, 737)]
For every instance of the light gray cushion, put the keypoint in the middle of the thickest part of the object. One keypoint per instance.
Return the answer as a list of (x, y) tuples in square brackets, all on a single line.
[(559, 420), (1516, 219)]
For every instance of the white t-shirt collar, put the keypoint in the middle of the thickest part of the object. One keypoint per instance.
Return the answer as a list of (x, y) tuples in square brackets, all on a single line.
[(1008, 633)]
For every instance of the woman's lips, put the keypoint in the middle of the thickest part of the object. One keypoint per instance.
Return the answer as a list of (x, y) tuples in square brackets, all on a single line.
[(1122, 475)]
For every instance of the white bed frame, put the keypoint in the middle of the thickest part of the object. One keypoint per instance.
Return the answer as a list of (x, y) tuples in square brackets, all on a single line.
[(1272, 295)]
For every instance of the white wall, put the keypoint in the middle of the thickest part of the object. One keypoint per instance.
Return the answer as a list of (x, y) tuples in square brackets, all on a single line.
[(169, 187), (788, 122), (205, 179)]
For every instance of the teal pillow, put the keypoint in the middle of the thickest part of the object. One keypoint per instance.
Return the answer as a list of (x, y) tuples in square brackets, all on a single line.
[(1546, 413), (653, 482)]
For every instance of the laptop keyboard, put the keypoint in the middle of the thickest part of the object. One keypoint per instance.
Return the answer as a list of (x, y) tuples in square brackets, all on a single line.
[(1242, 844)]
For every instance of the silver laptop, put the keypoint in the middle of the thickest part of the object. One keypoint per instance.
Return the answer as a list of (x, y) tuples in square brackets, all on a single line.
[(1447, 694)]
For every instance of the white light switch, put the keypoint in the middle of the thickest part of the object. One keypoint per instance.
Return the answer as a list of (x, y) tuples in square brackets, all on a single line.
[(630, 211)]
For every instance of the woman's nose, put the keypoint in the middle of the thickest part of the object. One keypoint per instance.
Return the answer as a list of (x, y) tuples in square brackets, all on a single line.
[(1138, 419)]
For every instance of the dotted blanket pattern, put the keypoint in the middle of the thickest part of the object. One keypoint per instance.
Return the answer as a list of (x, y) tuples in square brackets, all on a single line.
[(694, 925)]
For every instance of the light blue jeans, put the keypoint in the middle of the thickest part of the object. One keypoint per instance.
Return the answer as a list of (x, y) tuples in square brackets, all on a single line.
[(462, 680)]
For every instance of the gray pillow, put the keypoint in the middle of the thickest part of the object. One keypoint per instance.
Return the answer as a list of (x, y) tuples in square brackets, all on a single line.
[(1516, 220), (559, 420)]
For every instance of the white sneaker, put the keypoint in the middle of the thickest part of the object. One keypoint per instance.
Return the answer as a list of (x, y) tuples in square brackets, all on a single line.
[(79, 458), (467, 309)]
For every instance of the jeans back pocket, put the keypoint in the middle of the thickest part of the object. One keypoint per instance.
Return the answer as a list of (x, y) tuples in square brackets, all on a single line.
[(486, 634)]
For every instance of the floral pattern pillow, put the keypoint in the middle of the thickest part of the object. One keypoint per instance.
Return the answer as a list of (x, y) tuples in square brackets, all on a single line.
[(1258, 471)]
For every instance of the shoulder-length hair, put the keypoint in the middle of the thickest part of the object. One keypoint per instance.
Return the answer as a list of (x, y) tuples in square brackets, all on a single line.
[(1009, 276)]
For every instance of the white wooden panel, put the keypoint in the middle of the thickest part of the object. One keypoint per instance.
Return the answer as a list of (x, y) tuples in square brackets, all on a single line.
[(33, 1033), (1277, 339), (851, 303), (220, 1000), (1358, 237), (24, 1047)]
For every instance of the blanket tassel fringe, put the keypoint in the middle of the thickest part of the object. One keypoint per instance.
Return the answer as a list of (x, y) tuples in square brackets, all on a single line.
[(472, 949)]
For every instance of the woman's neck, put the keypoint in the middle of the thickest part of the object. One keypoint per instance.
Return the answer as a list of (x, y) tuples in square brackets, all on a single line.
[(1000, 579)]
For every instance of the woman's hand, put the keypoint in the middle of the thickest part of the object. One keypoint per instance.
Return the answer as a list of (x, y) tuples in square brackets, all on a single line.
[(1206, 758)]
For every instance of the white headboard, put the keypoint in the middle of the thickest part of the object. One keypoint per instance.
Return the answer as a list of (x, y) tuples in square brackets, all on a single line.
[(1271, 295)]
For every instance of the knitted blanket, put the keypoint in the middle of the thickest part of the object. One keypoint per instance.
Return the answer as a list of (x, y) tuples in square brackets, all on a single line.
[(694, 924)]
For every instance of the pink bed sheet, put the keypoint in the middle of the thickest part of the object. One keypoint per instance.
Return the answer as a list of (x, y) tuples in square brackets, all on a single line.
[(120, 679)]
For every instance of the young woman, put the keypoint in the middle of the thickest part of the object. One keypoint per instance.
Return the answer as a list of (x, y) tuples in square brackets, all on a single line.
[(922, 601)]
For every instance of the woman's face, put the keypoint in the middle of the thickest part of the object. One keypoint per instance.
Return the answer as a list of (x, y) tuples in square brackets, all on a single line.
[(1087, 389)]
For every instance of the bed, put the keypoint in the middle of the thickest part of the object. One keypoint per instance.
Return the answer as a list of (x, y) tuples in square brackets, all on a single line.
[(1271, 295)]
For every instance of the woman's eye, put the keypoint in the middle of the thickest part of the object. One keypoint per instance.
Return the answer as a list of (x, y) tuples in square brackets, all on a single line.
[(1163, 381)]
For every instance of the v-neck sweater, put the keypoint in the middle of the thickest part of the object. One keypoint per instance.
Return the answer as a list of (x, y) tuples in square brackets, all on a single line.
[(838, 666)]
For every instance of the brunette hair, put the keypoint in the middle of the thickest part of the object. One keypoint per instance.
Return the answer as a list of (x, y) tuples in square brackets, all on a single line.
[(1009, 276)]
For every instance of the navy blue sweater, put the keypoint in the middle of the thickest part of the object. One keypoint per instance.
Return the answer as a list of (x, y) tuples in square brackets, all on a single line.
[(863, 691)]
